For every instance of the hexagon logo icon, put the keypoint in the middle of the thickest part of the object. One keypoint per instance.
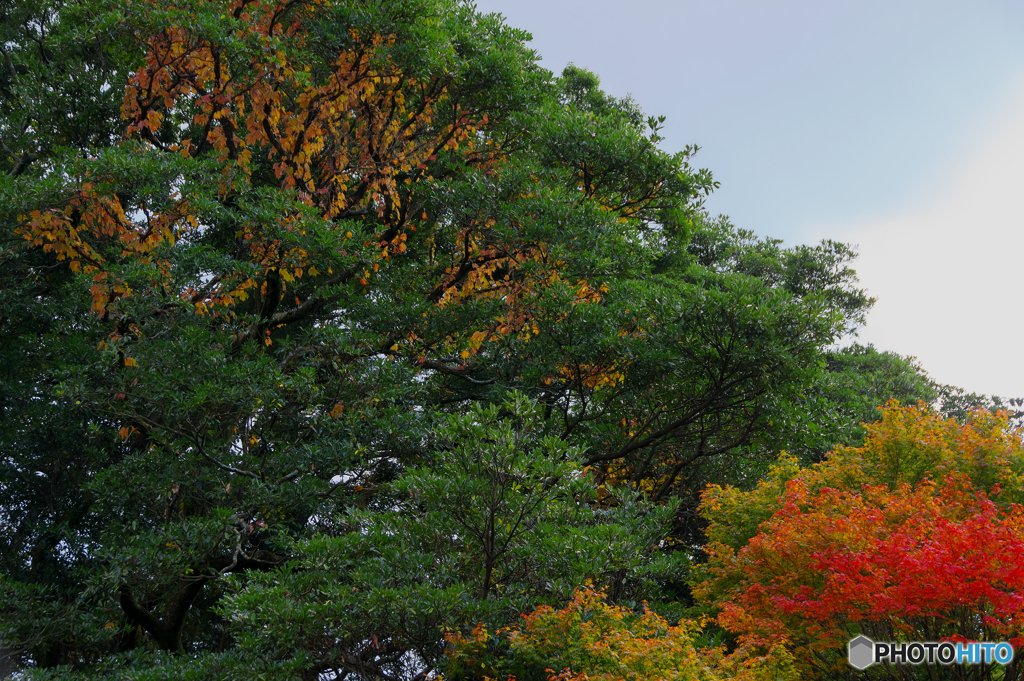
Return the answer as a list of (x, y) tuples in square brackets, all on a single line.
[(861, 652)]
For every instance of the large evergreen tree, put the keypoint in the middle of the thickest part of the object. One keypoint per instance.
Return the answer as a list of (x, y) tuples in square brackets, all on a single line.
[(328, 326)]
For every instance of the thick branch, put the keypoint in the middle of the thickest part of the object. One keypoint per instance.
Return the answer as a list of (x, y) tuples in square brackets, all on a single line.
[(166, 631), (691, 415), (306, 308), (452, 371)]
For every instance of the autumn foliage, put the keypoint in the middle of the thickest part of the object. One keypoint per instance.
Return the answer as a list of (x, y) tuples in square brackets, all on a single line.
[(343, 136), (590, 639), (925, 544), (350, 138)]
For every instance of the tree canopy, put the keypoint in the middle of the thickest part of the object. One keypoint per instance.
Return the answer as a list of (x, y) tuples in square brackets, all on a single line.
[(327, 328)]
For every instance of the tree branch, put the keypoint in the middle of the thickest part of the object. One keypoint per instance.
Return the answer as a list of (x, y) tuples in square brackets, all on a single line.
[(452, 371)]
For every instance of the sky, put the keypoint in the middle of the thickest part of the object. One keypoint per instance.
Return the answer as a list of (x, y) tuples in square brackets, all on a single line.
[(897, 126)]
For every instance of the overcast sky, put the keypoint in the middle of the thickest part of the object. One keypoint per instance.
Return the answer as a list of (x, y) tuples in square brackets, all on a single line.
[(897, 126)]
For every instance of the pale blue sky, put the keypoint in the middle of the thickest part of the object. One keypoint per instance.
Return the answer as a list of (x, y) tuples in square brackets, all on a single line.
[(880, 123)]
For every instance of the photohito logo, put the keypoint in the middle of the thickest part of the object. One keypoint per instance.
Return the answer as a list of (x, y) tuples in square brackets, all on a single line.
[(863, 652)]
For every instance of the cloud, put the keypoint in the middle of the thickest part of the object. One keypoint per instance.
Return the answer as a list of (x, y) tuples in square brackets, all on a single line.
[(947, 272)]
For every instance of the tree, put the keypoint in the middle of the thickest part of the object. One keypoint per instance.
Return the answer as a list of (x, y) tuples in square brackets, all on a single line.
[(914, 536), (200, 425), (803, 271), (814, 408), (863, 380), (498, 519), (245, 286)]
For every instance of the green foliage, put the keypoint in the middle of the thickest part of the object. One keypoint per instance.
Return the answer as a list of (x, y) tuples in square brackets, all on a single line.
[(326, 328), (496, 519)]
